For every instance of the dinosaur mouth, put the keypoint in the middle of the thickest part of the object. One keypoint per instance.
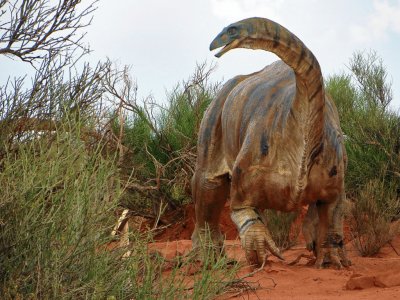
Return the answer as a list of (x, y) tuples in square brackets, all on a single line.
[(225, 48)]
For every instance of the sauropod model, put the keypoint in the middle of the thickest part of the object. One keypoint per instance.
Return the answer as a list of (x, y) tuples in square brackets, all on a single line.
[(271, 140)]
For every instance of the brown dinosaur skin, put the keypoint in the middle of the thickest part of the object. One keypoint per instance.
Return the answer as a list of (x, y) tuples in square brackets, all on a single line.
[(272, 140)]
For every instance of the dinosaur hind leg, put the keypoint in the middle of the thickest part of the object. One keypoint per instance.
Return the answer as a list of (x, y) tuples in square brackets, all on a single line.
[(310, 227), (338, 217), (330, 246)]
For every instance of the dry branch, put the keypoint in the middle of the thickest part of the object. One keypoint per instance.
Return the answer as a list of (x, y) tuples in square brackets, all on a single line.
[(32, 30)]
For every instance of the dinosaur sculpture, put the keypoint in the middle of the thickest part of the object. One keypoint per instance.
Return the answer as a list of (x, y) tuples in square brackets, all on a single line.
[(271, 140)]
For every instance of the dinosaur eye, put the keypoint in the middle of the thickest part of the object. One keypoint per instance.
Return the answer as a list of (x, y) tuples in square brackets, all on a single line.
[(232, 30)]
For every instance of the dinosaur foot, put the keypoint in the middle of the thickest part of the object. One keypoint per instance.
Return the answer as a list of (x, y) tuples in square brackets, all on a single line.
[(332, 256), (256, 241)]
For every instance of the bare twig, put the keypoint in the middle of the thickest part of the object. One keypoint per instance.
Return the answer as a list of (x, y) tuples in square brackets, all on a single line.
[(32, 30)]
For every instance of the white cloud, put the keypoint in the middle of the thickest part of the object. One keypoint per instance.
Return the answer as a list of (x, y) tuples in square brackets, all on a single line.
[(383, 20)]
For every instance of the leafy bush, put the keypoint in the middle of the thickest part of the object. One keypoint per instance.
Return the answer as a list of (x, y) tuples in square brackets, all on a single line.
[(160, 141), (370, 126), (373, 147)]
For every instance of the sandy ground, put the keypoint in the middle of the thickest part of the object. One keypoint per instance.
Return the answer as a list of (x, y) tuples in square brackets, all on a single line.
[(368, 278)]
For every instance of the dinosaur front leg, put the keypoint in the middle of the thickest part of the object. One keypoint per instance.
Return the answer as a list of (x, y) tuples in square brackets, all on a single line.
[(329, 246), (210, 195), (254, 235)]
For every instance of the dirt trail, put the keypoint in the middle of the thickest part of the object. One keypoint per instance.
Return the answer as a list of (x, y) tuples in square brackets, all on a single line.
[(367, 278)]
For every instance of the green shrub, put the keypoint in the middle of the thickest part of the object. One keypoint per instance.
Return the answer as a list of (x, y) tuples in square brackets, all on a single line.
[(161, 142), (372, 214), (372, 142), (57, 211), (57, 201), (371, 127)]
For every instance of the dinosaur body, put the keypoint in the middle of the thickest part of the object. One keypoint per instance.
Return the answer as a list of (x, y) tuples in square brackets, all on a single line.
[(271, 140)]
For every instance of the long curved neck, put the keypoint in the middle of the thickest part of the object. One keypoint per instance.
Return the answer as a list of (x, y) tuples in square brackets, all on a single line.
[(272, 37)]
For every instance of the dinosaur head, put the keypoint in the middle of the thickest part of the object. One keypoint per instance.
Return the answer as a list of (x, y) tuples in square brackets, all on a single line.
[(242, 34)]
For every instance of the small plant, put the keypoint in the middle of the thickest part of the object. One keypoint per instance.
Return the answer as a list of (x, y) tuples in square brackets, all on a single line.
[(282, 227), (372, 213), (183, 277)]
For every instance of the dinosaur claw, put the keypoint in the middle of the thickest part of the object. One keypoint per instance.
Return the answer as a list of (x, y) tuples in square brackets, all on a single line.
[(332, 256)]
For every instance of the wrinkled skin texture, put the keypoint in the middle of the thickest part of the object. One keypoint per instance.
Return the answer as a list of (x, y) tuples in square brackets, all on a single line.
[(271, 140)]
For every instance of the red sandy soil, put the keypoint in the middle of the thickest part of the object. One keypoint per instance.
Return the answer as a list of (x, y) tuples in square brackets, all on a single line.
[(182, 230), (368, 278)]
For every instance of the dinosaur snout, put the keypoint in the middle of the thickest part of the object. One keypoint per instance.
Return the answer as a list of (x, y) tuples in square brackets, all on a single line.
[(222, 40)]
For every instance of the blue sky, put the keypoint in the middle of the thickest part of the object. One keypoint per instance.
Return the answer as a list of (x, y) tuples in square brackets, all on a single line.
[(162, 40)]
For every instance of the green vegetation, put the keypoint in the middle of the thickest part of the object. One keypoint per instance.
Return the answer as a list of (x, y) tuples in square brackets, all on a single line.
[(76, 146), (60, 191), (373, 148), (160, 142), (57, 205), (57, 211)]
